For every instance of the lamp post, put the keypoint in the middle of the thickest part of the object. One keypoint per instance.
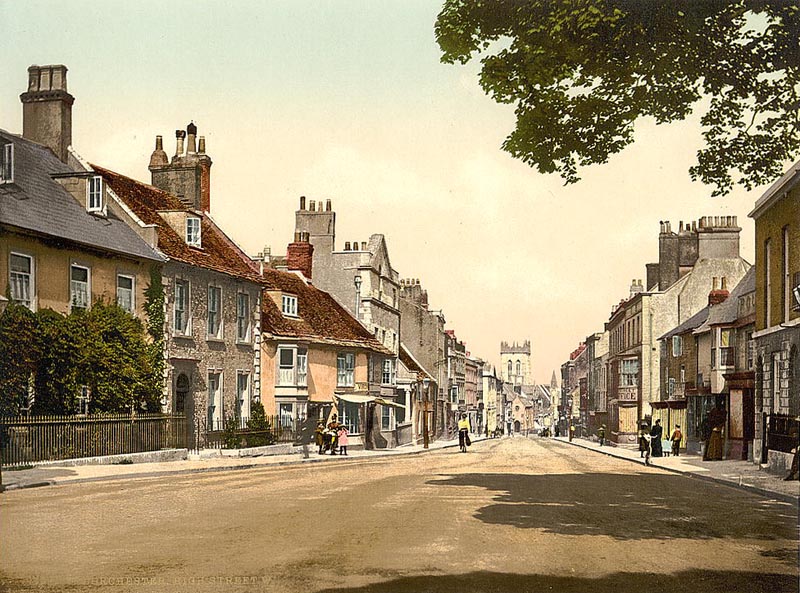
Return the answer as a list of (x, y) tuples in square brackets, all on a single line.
[(425, 437), (357, 284), (3, 305)]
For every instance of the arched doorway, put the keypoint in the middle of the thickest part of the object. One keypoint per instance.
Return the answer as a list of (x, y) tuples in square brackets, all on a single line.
[(181, 393), (517, 426)]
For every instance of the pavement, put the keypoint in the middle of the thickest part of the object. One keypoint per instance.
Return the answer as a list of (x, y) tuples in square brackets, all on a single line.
[(739, 474), (51, 475)]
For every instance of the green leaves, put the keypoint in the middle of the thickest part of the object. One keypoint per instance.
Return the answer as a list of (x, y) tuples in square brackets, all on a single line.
[(581, 72), (105, 349)]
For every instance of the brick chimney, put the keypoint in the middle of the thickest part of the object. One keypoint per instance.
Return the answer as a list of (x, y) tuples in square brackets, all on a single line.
[(47, 109), (718, 295), (300, 254)]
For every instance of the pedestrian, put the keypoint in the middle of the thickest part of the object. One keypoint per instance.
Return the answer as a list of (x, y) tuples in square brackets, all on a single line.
[(601, 434), (644, 440), (463, 433), (319, 435), (655, 439), (571, 432), (716, 424), (676, 437), (333, 433), (343, 441)]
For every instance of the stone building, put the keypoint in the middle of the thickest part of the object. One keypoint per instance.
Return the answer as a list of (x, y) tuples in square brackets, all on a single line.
[(637, 322), (63, 240), (316, 357), (472, 367), (573, 373), (359, 276), (422, 331), (492, 397), (777, 321), (456, 360), (212, 294), (596, 381), (515, 362)]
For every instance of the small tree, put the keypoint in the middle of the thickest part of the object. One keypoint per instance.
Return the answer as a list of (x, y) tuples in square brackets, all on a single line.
[(258, 423)]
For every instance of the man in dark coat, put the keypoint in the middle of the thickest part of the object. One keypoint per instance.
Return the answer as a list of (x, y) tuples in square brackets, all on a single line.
[(655, 439)]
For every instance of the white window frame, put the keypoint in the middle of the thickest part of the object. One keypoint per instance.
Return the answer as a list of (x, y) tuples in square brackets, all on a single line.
[(94, 194), (120, 301), (216, 403), (677, 346), (194, 231), (629, 367), (287, 374), (242, 317), (7, 163), (243, 396), (185, 328), (289, 305), (386, 418), (214, 332), (786, 280), (31, 279), (387, 376), (345, 369), (301, 364), (286, 414), (73, 284)]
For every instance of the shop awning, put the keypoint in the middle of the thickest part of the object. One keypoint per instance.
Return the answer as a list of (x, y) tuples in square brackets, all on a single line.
[(386, 402)]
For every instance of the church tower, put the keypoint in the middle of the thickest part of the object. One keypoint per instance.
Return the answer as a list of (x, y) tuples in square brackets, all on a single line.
[(515, 362)]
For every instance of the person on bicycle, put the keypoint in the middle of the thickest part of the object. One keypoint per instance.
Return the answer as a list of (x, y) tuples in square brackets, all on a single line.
[(463, 433)]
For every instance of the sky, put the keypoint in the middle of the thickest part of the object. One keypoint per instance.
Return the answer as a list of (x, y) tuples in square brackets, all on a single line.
[(348, 101)]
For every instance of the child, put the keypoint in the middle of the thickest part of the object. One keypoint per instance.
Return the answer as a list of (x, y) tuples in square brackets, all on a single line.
[(343, 440), (676, 439)]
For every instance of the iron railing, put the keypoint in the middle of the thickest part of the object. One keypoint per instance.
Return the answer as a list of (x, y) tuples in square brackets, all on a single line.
[(240, 435), (782, 432), (25, 440)]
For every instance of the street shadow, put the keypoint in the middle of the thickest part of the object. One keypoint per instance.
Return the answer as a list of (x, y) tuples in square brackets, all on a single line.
[(700, 581), (626, 506)]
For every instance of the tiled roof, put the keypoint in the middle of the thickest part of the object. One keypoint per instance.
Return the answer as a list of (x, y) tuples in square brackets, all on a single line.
[(35, 202), (320, 318), (411, 363), (218, 253)]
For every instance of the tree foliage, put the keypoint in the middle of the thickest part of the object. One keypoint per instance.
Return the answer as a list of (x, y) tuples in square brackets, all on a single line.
[(105, 349), (581, 72)]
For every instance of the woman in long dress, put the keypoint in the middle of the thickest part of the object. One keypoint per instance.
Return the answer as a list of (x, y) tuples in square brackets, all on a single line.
[(655, 439)]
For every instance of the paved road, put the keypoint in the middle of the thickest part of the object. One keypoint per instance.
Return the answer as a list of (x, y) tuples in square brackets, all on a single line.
[(511, 515)]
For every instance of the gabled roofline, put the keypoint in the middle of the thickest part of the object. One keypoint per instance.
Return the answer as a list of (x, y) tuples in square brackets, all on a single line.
[(776, 190)]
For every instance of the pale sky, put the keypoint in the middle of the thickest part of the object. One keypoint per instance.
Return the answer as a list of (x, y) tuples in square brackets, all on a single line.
[(348, 101)]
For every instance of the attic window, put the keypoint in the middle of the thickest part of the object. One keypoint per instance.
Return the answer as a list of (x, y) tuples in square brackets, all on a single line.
[(289, 305), (94, 197), (7, 163), (193, 231)]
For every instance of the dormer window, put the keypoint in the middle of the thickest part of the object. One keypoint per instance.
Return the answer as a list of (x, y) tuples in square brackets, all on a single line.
[(289, 305), (193, 231), (7, 163), (94, 199)]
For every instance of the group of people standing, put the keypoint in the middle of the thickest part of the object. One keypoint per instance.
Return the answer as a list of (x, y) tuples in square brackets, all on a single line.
[(650, 440), (332, 437)]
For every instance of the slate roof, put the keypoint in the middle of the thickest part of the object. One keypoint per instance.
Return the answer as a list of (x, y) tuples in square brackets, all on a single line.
[(36, 203), (727, 312), (411, 363), (692, 323), (219, 253), (320, 318)]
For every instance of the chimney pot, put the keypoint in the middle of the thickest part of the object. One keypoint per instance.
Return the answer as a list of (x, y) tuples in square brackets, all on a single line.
[(302, 202), (201, 145), (319, 206), (312, 205), (328, 205), (355, 245), (714, 283), (297, 236), (347, 245), (724, 283), (191, 130), (179, 136), (363, 245)]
